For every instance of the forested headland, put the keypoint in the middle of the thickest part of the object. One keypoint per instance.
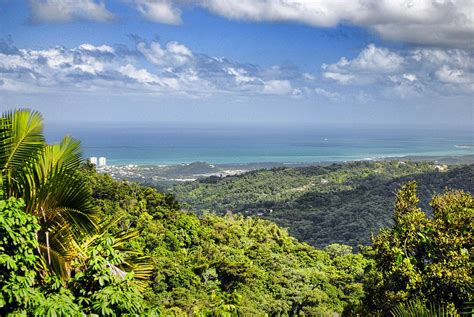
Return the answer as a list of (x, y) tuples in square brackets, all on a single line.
[(74, 242)]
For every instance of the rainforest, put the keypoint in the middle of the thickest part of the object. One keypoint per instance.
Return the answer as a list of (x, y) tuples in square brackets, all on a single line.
[(74, 242)]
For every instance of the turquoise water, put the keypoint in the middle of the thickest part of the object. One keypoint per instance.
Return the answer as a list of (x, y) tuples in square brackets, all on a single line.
[(146, 144)]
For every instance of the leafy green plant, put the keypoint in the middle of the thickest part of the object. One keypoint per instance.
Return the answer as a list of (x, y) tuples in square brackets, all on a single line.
[(18, 263), (99, 284), (418, 308), (428, 258), (45, 176)]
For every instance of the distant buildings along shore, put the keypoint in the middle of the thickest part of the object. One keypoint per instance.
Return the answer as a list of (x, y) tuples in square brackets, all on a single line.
[(99, 162)]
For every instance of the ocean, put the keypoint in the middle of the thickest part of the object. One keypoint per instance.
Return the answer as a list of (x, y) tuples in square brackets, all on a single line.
[(164, 144)]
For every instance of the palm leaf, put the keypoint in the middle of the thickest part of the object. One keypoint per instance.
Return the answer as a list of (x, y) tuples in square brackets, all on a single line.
[(21, 138), (133, 261), (59, 250), (46, 177), (418, 308)]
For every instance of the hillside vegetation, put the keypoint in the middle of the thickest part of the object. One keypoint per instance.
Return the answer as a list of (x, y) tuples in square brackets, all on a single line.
[(77, 243), (342, 203), (207, 263)]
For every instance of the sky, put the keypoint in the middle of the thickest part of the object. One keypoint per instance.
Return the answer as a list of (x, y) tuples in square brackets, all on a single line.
[(349, 62)]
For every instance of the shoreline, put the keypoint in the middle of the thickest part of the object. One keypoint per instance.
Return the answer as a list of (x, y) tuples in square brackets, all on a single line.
[(164, 175), (444, 159)]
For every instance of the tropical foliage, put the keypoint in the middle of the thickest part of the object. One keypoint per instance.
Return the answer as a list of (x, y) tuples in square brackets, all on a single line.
[(45, 176), (74, 242), (209, 264), (429, 259), (94, 288), (340, 203), (54, 260), (420, 308)]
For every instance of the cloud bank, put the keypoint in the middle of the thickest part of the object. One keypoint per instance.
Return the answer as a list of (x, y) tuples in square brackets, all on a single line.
[(413, 72), (172, 68), (427, 22), (432, 22)]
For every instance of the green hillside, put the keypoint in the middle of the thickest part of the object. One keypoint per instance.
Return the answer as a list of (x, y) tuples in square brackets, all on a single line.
[(340, 203), (74, 242), (215, 265)]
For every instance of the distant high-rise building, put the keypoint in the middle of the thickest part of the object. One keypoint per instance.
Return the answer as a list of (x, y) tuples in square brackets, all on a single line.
[(102, 161), (93, 160)]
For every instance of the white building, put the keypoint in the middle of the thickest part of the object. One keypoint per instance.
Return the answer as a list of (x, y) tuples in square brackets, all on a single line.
[(93, 160), (102, 161)]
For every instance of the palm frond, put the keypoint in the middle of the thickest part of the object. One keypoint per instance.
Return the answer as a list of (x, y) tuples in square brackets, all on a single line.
[(46, 177), (60, 249), (133, 261), (57, 193), (67, 155), (21, 137), (419, 308)]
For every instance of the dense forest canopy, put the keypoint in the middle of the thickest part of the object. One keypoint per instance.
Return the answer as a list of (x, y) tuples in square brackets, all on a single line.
[(340, 203), (74, 242)]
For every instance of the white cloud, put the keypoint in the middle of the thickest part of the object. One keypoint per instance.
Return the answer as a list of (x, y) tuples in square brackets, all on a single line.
[(161, 11), (377, 60), (101, 48), (432, 22), (277, 87), (453, 76), (407, 73), (342, 78), (174, 54), (156, 68), (445, 22), (12, 62), (432, 56), (371, 59), (410, 77), (68, 10), (173, 68), (240, 75), (140, 75)]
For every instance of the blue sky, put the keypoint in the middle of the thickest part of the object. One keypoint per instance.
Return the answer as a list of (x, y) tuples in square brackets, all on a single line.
[(282, 61)]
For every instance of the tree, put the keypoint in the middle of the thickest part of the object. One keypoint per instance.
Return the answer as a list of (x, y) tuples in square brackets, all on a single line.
[(429, 259), (18, 262), (98, 286), (45, 176)]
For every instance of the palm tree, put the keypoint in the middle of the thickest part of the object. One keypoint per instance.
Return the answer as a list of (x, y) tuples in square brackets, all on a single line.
[(46, 177)]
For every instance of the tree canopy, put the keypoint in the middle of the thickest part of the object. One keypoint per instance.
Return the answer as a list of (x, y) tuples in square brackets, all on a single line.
[(421, 257), (74, 242)]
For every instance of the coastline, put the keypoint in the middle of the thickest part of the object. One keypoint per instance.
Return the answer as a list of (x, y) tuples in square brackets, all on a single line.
[(164, 175)]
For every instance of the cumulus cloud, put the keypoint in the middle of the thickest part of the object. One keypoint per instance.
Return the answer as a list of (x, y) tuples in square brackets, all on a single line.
[(172, 68), (240, 75), (161, 11), (372, 65), (172, 54), (434, 22), (371, 60), (149, 67), (408, 73), (342, 78), (101, 48), (453, 76), (58, 11), (410, 77), (277, 87)]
